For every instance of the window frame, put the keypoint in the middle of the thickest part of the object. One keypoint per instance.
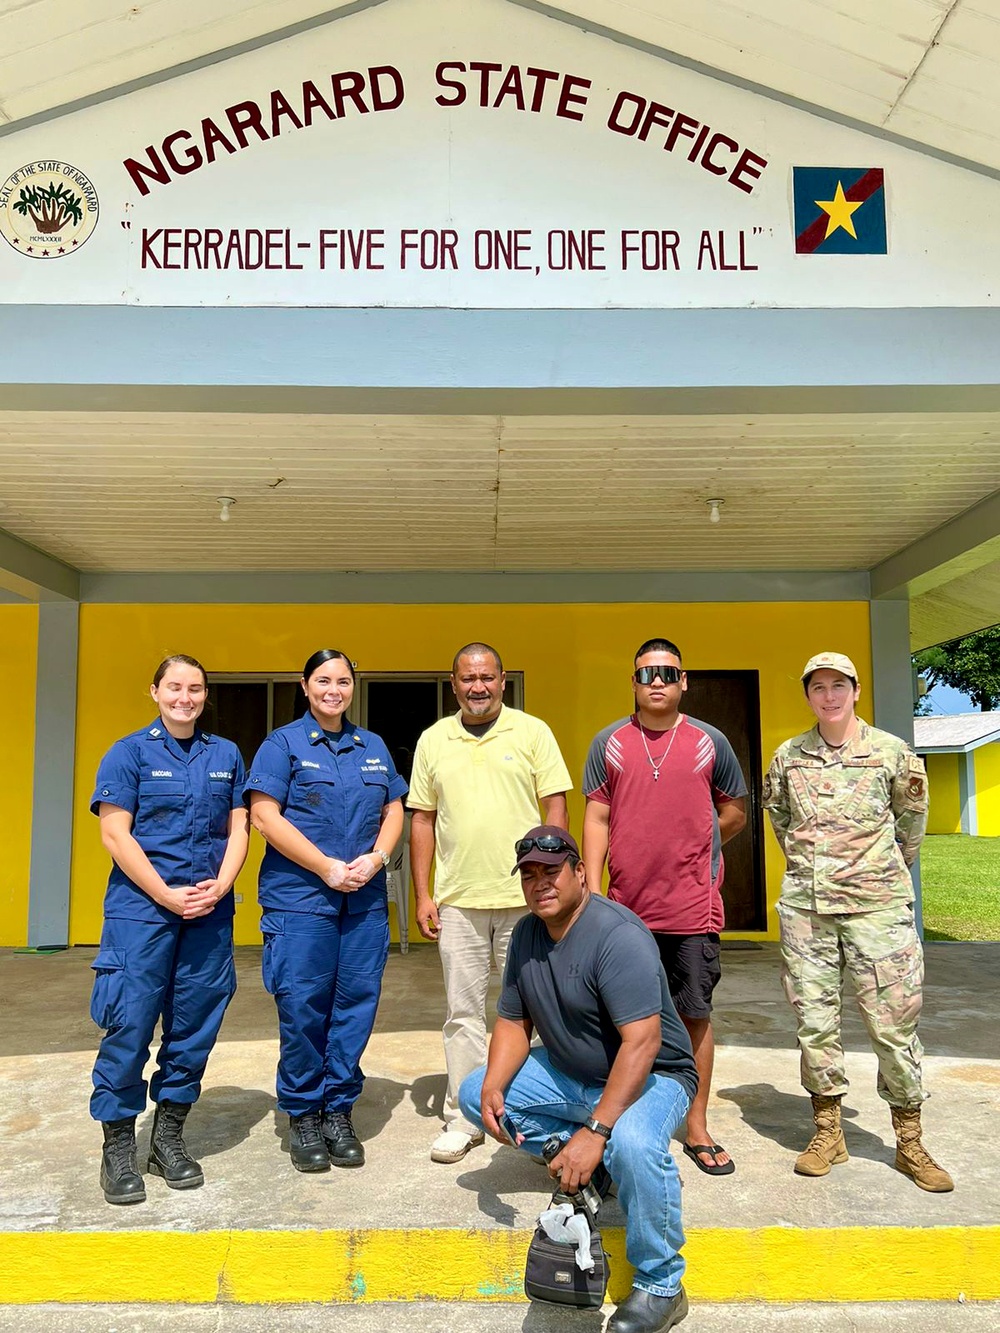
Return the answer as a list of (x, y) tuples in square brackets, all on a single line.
[(442, 678)]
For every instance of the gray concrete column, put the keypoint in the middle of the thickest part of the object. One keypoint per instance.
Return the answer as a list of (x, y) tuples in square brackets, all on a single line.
[(52, 796), (892, 675), (967, 793), (892, 690)]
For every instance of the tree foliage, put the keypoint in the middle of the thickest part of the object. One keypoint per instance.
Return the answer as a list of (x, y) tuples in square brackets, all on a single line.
[(51, 206), (923, 706), (970, 664)]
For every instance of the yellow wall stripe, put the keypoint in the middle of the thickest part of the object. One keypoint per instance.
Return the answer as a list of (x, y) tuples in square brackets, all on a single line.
[(257, 1267)]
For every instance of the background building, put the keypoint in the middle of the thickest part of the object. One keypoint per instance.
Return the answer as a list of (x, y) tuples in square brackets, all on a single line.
[(963, 772), (472, 309)]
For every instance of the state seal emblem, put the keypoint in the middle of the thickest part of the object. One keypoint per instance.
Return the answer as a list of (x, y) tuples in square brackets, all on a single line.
[(47, 209)]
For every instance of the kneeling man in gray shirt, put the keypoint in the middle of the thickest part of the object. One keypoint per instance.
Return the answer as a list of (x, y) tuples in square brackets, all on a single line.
[(615, 1075)]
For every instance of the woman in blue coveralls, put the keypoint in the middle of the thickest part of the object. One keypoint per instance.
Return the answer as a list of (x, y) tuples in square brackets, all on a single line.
[(169, 797), (327, 797)]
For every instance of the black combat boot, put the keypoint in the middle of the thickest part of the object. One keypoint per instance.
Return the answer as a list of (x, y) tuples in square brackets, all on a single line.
[(168, 1157), (305, 1143), (346, 1149), (120, 1179)]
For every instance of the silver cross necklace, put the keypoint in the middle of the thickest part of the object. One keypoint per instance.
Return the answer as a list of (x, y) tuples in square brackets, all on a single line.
[(657, 764)]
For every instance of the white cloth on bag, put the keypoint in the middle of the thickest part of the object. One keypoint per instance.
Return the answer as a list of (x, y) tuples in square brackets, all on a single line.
[(566, 1226)]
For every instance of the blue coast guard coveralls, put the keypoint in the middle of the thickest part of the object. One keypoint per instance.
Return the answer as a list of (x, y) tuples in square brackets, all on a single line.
[(152, 962), (324, 950)]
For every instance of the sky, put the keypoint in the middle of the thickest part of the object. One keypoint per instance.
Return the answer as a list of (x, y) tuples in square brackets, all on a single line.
[(947, 701)]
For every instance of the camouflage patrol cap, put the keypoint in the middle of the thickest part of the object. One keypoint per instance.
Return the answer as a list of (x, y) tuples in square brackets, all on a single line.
[(833, 662)]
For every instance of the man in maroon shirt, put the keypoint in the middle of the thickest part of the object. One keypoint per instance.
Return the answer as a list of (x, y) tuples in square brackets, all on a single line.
[(664, 792)]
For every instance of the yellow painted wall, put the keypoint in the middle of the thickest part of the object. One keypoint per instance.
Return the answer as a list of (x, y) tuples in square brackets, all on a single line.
[(945, 813), (18, 658), (576, 661), (988, 790)]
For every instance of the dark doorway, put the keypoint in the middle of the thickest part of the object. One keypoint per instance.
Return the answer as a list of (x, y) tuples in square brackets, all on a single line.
[(399, 707), (730, 700), (238, 711), (289, 702), (398, 711)]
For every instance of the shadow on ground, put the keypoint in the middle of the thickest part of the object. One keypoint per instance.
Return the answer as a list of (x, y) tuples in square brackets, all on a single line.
[(222, 1118), (961, 1000), (551, 1319), (508, 1173), (786, 1120), (427, 1093), (372, 1113)]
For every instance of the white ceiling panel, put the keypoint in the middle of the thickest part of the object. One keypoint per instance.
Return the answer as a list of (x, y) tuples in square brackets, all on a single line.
[(954, 100), (925, 69), (850, 57), (55, 51), (959, 607), (138, 491)]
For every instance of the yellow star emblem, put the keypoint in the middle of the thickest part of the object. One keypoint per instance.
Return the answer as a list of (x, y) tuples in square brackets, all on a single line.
[(839, 210)]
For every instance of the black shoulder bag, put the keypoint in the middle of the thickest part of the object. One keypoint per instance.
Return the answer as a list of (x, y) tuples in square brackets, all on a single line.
[(551, 1272)]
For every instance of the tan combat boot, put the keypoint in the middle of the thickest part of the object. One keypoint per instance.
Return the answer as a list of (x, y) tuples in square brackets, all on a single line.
[(827, 1147), (912, 1158)]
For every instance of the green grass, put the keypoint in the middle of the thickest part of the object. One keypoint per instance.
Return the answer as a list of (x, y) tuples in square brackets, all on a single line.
[(960, 879)]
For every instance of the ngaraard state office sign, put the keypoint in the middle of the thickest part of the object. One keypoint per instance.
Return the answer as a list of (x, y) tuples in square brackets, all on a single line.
[(474, 154)]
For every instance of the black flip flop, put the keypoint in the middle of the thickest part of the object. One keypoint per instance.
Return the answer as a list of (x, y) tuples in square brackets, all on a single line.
[(693, 1149)]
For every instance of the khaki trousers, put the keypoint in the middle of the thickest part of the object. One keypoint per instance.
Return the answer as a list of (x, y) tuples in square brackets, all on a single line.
[(468, 938)]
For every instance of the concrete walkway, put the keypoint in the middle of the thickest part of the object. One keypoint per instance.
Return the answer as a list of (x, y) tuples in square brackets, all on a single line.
[(425, 1317), (749, 1234)]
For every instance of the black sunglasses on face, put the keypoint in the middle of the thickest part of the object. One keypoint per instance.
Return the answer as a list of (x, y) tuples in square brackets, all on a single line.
[(670, 675), (548, 842)]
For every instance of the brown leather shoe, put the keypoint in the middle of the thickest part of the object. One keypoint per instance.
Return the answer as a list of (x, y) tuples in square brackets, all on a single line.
[(643, 1312)]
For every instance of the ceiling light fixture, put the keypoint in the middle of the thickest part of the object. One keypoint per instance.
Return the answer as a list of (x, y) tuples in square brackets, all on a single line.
[(227, 503), (713, 510)]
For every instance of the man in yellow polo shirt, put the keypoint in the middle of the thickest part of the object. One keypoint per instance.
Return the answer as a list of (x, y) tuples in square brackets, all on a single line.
[(478, 781)]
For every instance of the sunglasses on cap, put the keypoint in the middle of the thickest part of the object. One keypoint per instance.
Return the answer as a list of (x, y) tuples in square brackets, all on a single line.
[(670, 675), (548, 842)]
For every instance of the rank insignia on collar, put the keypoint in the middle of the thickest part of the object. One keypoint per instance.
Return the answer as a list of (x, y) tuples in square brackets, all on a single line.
[(357, 737), (154, 731), (314, 735)]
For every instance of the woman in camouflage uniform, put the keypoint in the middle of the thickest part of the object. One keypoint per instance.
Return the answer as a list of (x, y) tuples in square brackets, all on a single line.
[(849, 807)]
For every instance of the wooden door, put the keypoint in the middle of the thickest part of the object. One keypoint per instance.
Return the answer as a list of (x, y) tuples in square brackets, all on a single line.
[(730, 700)]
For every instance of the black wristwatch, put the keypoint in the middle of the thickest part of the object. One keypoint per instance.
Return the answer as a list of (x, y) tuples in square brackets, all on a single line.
[(598, 1128)]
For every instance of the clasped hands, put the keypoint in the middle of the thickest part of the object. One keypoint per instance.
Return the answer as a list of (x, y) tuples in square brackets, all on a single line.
[(349, 876), (194, 900)]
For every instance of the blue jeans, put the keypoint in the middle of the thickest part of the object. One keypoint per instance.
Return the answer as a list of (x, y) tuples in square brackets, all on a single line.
[(542, 1101)]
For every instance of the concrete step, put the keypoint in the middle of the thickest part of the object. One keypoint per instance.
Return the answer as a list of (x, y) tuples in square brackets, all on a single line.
[(405, 1229), (434, 1317)]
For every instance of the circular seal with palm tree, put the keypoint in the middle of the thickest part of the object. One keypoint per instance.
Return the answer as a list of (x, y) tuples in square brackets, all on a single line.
[(47, 209)]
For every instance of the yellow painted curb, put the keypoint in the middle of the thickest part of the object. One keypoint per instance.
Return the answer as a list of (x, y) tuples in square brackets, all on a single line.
[(783, 1264)]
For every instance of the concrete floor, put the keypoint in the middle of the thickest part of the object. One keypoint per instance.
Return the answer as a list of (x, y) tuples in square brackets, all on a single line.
[(50, 1152), (421, 1317), (51, 1147)]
